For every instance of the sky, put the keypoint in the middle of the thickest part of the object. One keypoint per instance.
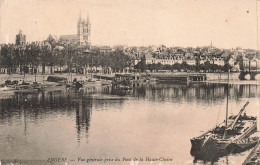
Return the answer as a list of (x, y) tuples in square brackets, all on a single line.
[(227, 23)]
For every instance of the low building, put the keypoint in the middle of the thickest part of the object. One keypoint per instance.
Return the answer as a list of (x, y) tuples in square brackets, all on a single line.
[(190, 61), (246, 62), (231, 62), (251, 64), (149, 59), (105, 49), (72, 39), (217, 61)]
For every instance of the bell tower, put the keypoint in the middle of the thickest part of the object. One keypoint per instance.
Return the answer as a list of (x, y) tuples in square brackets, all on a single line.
[(84, 28), (80, 31)]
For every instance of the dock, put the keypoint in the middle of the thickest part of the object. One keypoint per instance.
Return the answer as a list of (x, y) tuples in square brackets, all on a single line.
[(254, 157), (161, 77), (104, 77), (181, 78)]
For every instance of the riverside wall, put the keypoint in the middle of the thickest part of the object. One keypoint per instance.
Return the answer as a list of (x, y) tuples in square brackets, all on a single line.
[(83, 77), (41, 77)]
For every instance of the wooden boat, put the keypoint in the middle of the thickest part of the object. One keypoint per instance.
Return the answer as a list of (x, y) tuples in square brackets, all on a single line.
[(254, 156), (244, 144), (6, 89), (56, 79), (6, 92), (226, 137), (25, 89), (222, 136), (106, 97)]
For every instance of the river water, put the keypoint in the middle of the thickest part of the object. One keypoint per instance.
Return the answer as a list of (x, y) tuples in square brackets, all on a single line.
[(151, 121)]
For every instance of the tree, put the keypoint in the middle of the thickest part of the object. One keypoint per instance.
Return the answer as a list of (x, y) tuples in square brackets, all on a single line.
[(239, 60), (60, 57), (158, 66), (6, 53), (71, 52), (141, 66), (167, 67), (184, 66), (176, 66), (119, 60), (34, 56), (214, 67), (227, 67)]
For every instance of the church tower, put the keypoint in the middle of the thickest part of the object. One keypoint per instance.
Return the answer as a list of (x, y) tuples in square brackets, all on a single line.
[(80, 31), (20, 38), (84, 27)]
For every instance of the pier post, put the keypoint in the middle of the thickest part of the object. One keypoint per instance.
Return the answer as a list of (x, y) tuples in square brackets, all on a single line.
[(252, 76)]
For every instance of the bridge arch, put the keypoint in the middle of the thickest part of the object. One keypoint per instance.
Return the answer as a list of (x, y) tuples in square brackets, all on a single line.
[(251, 73)]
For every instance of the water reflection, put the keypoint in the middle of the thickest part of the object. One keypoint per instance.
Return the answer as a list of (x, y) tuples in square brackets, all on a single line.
[(40, 105), (85, 114), (195, 92)]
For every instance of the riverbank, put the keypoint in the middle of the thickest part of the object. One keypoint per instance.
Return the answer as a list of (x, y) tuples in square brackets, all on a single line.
[(238, 82), (211, 77), (41, 77)]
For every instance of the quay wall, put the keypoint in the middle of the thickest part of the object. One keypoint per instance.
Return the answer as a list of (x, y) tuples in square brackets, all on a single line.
[(43, 77), (40, 77), (222, 76), (210, 76)]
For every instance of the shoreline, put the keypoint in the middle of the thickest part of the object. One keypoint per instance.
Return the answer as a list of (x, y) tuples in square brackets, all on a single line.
[(211, 78), (239, 82), (40, 77)]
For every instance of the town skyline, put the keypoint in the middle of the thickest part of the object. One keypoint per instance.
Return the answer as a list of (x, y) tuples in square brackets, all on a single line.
[(184, 24)]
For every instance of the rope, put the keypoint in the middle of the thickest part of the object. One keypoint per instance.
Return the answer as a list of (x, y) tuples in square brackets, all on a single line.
[(231, 109)]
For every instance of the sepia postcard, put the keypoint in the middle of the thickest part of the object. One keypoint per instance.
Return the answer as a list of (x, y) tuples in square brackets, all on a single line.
[(129, 82)]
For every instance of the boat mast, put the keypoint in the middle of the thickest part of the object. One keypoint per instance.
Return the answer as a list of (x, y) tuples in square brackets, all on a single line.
[(227, 99), (35, 72), (225, 132), (91, 66)]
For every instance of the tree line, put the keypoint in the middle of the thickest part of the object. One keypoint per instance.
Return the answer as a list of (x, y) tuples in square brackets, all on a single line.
[(30, 56), (206, 67)]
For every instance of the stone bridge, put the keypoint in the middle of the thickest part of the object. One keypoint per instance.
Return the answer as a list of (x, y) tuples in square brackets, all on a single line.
[(251, 73)]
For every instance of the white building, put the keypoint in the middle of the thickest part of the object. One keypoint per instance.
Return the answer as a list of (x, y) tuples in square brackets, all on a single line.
[(231, 62), (217, 61), (253, 64), (149, 59), (190, 61)]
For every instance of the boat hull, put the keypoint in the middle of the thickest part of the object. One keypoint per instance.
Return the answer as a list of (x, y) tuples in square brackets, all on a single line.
[(196, 144), (244, 144), (207, 145)]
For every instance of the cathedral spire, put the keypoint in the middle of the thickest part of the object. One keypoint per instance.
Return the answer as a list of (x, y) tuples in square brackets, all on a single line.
[(83, 35), (88, 19), (80, 16)]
